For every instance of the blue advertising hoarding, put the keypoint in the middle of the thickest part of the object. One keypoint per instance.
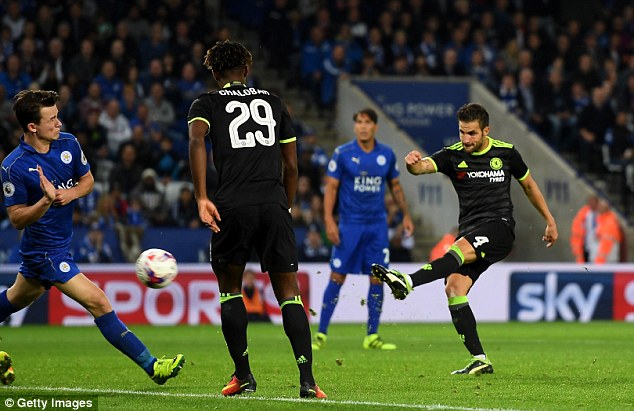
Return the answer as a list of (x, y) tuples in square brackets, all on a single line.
[(561, 296), (424, 110)]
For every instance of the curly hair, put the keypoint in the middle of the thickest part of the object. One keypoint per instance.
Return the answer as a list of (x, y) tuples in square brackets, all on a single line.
[(473, 112), (227, 55)]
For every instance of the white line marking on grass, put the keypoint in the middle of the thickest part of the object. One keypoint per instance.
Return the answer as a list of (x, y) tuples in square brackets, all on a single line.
[(97, 391)]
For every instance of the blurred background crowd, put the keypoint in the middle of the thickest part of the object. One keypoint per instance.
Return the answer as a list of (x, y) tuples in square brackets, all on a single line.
[(127, 73)]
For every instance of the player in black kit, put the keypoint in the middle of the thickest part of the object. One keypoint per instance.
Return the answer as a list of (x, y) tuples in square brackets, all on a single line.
[(255, 153), (480, 169)]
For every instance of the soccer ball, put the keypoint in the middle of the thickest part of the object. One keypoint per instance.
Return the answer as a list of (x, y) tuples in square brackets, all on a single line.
[(156, 268)]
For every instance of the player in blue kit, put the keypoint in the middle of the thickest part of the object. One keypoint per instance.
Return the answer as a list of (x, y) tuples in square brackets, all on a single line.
[(357, 176), (41, 179)]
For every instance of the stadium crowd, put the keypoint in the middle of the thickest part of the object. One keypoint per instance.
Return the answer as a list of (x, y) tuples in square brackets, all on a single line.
[(127, 73)]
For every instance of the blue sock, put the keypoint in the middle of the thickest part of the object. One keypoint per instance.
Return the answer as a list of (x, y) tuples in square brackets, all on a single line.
[(331, 297), (125, 341), (375, 306), (6, 308)]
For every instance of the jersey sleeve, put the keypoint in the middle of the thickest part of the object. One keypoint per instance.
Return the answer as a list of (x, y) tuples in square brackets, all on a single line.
[(441, 161), (200, 110), (519, 169), (81, 167), (334, 165), (287, 133), (13, 187)]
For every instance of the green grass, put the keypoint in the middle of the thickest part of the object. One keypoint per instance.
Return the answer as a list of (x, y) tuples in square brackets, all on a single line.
[(538, 366)]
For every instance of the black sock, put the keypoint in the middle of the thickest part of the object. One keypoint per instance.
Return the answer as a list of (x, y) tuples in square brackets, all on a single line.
[(233, 315), (439, 268), (298, 332), (465, 323)]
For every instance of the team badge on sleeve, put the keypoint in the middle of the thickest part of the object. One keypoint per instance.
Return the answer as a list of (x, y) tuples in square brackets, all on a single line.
[(84, 160), (8, 188)]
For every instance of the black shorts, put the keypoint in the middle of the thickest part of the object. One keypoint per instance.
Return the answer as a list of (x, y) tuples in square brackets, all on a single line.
[(267, 228), (492, 241)]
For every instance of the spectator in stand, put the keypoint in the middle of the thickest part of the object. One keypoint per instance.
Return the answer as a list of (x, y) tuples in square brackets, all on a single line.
[(127, 175), (376, 47), (593, 122), (168, 164), (31, 59), (91, 102), (478, 68), (587, 72), (450, 66), (140, 140), (93, 248), (554, 102), (189, 87), (119, 56), (276, 34), (14, 78), (67, 107), (336, 66), (510, 95), (441, 247), (582, 235), (154, 46), (185, 210), (609, 237), (313, 249), (160, 109), (400, 47), (14, 20), (253, 298), (55, 66), (107, 215), (117, 127), (369, 68), (132, 231), (129, 101), (314, 52), (153, 204), (85, 64), (354, 52), (111, 85)]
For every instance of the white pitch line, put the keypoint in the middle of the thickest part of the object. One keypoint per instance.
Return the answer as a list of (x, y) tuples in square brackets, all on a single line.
[(96, 391)]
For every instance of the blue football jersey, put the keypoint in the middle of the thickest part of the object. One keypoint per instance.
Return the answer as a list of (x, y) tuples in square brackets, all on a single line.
[(362, 181), (63, 165)]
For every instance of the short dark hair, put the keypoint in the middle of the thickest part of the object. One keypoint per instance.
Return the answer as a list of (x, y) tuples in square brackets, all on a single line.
[(27, 105), (227, 55), (473, 112), (368, 112)]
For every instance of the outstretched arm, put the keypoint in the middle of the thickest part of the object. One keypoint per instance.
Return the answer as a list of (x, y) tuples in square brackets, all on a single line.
[(536, 198), (417, 164)]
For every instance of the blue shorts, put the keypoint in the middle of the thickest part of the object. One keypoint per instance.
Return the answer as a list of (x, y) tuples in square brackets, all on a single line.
[(360, 246), (48, 267)]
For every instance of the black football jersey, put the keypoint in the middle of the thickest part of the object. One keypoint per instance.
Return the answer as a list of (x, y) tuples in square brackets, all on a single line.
[(246, 127), (482, 180)]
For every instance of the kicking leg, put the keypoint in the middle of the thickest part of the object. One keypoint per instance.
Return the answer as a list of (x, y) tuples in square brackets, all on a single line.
[(93, 299)]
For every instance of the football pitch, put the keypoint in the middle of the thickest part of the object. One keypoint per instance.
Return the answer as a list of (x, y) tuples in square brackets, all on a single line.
[(538, 366)]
